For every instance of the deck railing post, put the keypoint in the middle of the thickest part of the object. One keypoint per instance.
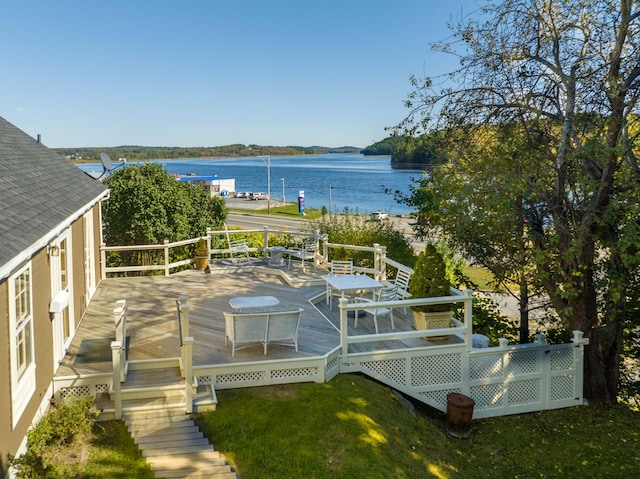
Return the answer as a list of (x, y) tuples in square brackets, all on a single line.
[(116, 347), (209, 241), (120, 319), (316, 236), (265, 241), (166, 257), (325, 250), (184, 327), (188, 374), (376, 261), (103, 261), (344, 327), (578, 360), (184, 315), (468, 317)]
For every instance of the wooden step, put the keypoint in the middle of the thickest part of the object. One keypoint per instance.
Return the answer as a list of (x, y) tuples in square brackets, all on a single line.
[(196, 473), (176, 450), (201, 459), (151, 444), (169, 436)]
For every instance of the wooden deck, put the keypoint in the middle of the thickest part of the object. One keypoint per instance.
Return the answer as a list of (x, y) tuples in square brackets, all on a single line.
[(502, 380), (152, 327)]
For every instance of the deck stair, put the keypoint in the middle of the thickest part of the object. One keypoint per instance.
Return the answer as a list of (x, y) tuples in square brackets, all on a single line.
[(174, 446), (161, 386)]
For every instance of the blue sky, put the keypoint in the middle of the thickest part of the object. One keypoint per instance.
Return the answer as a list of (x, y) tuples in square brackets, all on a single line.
[(210, 73)]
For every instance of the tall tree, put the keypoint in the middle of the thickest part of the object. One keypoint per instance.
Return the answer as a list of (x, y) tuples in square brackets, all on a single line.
[(147, 206), (567, 74)]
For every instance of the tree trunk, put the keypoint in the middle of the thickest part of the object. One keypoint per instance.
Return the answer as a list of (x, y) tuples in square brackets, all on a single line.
[(602, 363), (524, 310)]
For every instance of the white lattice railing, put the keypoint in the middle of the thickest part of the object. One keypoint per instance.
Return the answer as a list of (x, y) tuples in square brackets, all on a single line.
[(318, 369), (501, 380)]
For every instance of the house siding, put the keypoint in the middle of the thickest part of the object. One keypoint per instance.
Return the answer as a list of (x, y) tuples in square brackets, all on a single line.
[(5, 393)]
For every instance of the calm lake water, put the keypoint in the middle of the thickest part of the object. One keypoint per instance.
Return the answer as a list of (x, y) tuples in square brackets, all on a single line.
[(357, 182)]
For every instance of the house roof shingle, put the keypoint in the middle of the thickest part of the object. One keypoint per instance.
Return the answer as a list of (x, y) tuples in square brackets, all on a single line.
[(39, 190)]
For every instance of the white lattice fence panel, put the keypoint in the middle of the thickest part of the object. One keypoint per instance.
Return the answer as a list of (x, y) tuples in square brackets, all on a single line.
[(528, 391), (561, 359), (486, 366), (526, 361), (332, 367), (393, 370), (80, 391), (438, 398), (244, 378), (563, 388), (430, 370), (488, 396), (294, 373)]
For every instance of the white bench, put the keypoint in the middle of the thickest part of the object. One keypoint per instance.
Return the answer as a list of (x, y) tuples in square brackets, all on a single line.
[(262, 327)]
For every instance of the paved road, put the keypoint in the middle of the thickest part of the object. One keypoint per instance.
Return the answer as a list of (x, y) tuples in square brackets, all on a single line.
[(255, 221)]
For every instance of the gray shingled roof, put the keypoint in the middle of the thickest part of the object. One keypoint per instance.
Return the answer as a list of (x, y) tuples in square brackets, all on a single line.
[(39, 189)]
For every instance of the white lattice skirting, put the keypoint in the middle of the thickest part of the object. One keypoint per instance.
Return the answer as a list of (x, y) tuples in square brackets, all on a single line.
[(501, 380)]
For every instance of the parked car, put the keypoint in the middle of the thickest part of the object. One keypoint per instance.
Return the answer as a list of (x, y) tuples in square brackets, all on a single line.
[(258, 196), (242, 194), (379, 215)]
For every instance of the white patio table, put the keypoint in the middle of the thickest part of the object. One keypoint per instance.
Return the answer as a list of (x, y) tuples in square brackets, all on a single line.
[(276, 255), (352, 283), (252, 302)]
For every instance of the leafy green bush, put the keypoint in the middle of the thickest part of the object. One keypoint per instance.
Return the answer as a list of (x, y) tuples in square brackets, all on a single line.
[(201, 248), (429, 280), (50, 442), (354, 229)]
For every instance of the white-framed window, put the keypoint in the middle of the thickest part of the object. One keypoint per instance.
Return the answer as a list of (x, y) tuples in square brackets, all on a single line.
[(62, 314), (23, 368)]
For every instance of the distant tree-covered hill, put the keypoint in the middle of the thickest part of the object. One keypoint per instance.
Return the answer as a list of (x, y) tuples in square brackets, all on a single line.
[(142, 153), (408, 152)]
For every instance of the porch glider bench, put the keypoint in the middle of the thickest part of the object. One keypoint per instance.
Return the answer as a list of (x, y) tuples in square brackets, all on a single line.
[(267, 326)]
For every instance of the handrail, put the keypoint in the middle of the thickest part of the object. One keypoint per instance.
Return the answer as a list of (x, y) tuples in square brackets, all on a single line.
[(166, 265), (458, 296), (179, 321), (377, 271)]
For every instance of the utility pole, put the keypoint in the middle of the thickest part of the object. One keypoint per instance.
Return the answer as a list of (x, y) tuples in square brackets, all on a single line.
[(268, 163)]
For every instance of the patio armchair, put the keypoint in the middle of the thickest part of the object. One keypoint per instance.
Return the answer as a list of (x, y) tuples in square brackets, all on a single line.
[(401, 282), (338, 267), (385, 294), (238, 249), (306, 252)]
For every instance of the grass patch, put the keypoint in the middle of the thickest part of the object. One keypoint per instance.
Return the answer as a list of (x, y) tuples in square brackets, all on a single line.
[(290, 210), (485, 280), (355, 427)]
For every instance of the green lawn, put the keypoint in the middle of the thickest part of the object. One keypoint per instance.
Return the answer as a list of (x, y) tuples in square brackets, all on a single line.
[(290, 210), (353, 427)]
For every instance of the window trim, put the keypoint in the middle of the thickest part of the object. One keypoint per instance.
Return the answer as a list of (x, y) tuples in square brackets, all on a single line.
[(23, 384)]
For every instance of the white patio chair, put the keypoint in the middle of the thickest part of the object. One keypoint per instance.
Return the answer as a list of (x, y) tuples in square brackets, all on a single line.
[(238, 249), (306, 252), (401, 281), (338, 267), (385, 294)]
